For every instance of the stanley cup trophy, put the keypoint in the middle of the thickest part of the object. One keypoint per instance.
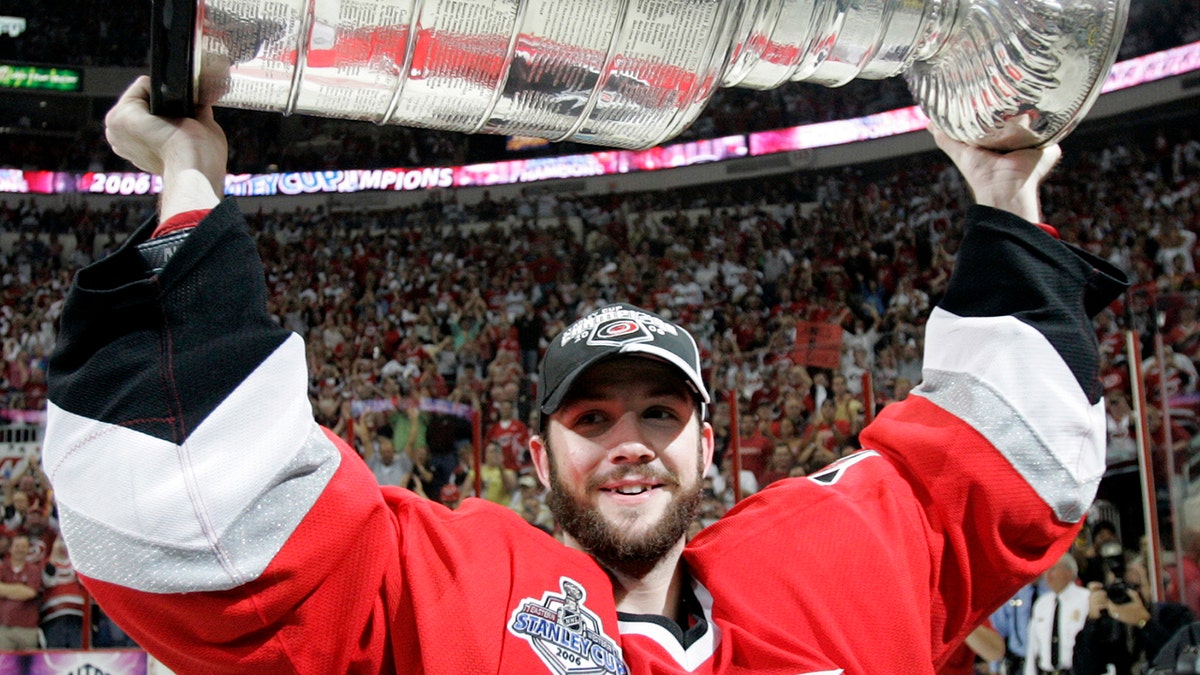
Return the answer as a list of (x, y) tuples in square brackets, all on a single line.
[(1002, 74)]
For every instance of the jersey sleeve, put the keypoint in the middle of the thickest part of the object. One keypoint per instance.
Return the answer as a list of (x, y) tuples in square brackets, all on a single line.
[(1003, 441), (203, 506)]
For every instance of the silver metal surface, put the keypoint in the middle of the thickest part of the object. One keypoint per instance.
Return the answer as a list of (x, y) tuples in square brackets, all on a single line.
[(1019, 74), (635, 73)]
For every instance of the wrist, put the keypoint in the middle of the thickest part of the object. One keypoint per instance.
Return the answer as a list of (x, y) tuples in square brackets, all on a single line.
[(1021, 204), (186, 190)]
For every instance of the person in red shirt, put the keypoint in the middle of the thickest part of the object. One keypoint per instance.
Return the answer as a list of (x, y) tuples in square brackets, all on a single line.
[(20, 590), (63, 602), (512, 435), (755, 446)]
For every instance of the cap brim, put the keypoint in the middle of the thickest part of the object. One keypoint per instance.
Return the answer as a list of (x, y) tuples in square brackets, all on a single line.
[(555, 398)]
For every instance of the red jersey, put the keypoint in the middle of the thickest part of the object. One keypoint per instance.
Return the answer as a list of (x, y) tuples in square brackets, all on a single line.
[(513, 437), (256, 541), (21, 613), (64, 595)]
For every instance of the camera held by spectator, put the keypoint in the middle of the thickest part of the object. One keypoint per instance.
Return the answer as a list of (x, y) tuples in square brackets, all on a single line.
[(1113, 556)]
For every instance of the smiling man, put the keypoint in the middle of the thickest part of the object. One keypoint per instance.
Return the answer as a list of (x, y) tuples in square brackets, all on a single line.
[(228, 532), (626, 444)]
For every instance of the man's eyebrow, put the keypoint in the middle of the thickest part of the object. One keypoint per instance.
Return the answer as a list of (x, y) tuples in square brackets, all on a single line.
[(669, 390), (606, 390)]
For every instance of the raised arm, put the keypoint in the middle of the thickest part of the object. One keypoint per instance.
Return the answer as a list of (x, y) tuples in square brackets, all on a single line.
[(1003, 440), (204, 507)]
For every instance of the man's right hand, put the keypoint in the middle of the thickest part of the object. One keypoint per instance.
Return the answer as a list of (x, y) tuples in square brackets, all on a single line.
[(189, 153), (1007, 181)]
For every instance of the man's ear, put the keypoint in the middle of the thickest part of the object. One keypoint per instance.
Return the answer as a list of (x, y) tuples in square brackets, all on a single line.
[(708, 446), (539, 454)]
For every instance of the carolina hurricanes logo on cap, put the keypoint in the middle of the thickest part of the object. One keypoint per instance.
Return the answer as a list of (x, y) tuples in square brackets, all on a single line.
[(619, 332)]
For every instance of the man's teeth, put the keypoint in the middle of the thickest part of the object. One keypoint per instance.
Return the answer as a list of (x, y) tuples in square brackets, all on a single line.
[(631, 489)]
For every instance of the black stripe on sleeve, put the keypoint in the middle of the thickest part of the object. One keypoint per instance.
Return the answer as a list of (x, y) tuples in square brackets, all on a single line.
[(1008, 267), (157, 353)]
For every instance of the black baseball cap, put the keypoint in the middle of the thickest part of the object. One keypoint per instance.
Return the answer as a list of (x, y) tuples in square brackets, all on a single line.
[(611, 331)]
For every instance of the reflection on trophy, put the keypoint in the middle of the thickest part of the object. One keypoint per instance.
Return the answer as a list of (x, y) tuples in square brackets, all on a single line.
[(1002, 74)]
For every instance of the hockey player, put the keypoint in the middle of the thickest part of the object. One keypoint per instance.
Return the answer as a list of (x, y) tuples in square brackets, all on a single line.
[(228, 532)]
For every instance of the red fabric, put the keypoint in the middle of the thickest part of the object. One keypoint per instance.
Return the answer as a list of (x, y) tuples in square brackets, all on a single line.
[(180, 221), (962, 660), (1049, 229), (64, 595), (513, 437)]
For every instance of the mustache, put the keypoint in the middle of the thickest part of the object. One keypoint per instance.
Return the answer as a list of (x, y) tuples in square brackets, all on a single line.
[(660, 476)]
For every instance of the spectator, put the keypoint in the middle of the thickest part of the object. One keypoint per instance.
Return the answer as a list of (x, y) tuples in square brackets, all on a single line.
[(1057, 618), (63, 602), (780, 464), (1122, 446), (20, 592), (1124, 631), (755, 446), (408, 426), (1186, 591), (1011, 621), (41, 536), (529, 501), (848, 409), (1092, 563), (422, 473), (512, 435), (16, 507), (823, 429), (722, 481), (1181, 376), (499, 481), (390, 468), (450, 496)]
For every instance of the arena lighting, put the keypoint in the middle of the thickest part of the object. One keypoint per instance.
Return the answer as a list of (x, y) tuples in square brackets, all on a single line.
[(1123, 75)]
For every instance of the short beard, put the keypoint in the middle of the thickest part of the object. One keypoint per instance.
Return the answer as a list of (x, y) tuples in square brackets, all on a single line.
[(609, 545)]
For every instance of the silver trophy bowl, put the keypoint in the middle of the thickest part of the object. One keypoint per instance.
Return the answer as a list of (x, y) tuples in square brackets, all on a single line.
[(1001, 74)]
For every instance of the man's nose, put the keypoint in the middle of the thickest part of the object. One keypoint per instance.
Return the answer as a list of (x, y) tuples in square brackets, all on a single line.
[(628, 442)]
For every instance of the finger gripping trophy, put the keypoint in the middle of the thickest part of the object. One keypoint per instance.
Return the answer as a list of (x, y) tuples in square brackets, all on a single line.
[(1002, 74)]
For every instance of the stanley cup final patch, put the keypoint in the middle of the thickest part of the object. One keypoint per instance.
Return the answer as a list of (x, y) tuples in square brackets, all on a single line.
[(566, 635)]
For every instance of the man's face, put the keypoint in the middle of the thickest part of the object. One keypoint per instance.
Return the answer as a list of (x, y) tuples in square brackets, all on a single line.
[(793, 408), (19, 549), (838, 385), (624, 456), (1059, 576), (35, 522), (387, 451)]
